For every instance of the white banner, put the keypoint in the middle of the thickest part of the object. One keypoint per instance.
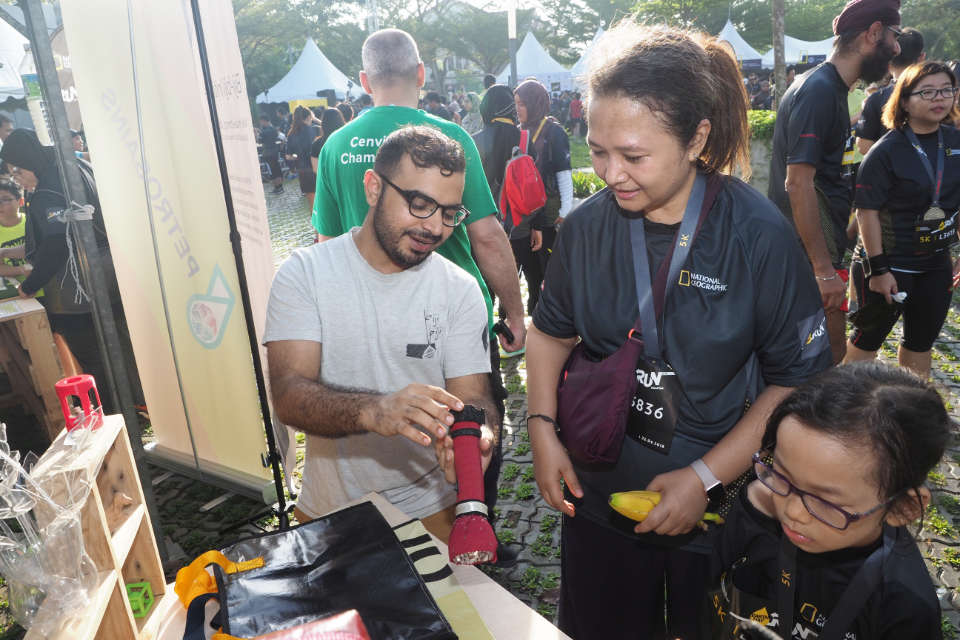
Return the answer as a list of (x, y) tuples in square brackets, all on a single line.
[(148, 127)]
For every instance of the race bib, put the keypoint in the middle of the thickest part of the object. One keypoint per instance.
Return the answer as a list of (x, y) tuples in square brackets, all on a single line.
[(933, 236), (654, 409)]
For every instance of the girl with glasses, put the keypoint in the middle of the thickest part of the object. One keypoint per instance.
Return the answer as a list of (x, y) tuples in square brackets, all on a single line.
[(908, 193), (819, 540)]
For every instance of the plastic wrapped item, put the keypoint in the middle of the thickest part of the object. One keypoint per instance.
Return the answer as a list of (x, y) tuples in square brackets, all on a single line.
[(42, 555)]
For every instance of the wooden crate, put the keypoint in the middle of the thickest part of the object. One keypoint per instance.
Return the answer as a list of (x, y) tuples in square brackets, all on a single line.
[(117, 534), (29, 355)]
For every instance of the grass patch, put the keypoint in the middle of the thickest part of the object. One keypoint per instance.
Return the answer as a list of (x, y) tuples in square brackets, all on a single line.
[(530, 581), (525, 491), (549, 523), (952, 557), (579, 154), (950, 504), (522, 449), (938, 524), (586, 184), (528, 474), (506, 536), (937, 479), (543, 545), (948, 629), (550, 581), (548, 611), (510, 472), (504, 492)]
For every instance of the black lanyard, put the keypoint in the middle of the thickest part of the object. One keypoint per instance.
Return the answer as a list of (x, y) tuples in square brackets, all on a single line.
[(864, 583), (641, 266), (936, 179)]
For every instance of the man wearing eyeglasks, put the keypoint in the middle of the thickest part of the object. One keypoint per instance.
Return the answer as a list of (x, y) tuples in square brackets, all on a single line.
[(373, 340)]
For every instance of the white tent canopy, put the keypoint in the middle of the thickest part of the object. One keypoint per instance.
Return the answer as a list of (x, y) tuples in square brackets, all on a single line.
[(311, 73), (580, 67), (11, 54), (534, 61), (740, 46), (795, 51)]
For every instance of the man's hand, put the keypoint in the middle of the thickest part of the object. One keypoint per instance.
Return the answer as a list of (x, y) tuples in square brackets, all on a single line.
[(884, 284), (416, 412), (519, 331), (445, 455), (832, 292), (24, 294), (536, 239), (682, 504)]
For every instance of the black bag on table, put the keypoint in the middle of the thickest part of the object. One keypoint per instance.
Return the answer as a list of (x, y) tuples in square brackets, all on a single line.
[(350, 559)]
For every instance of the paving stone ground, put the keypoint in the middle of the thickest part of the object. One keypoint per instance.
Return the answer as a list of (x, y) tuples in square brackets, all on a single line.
[(523, 519)]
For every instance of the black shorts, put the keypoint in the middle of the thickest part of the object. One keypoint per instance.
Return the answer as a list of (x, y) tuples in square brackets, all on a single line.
[(924, 311), (308, 180)]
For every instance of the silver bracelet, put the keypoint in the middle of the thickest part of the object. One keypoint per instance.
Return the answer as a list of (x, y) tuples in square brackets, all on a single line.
[(827, 278)]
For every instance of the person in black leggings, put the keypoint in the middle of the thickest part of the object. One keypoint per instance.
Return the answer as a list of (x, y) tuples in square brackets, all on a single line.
[(907, 222)]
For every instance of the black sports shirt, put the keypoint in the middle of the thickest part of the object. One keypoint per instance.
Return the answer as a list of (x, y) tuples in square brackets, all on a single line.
[(813, 124), (903, 607), (892, 180), (746, 288), (869, 126)]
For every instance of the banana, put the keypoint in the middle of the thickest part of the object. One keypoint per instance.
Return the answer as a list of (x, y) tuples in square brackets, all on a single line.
[(636, 505)]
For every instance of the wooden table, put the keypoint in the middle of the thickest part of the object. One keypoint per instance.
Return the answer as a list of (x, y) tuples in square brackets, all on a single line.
[(29, 356), (506, 617)]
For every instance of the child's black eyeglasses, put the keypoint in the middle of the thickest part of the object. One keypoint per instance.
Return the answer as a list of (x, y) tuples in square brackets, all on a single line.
[(423, 206), (823, 510)]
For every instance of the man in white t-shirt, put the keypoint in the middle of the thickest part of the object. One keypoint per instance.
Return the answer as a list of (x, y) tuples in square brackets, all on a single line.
[(373, 339)]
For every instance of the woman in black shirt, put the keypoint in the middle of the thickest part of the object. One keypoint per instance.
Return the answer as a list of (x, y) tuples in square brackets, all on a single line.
[(300, 137), (908, 193), (666, 115)]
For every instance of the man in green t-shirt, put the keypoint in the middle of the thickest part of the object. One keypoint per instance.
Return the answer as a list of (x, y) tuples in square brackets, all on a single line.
[(393, 74)]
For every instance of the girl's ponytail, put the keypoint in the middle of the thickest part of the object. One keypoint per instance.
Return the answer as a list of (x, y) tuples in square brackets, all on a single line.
[(728, 146)]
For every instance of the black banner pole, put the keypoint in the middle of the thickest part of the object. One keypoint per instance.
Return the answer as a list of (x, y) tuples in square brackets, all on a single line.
[(272, 454)]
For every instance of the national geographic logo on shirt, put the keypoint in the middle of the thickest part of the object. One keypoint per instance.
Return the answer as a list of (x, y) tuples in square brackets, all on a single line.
[(700, 281), (812, 332)]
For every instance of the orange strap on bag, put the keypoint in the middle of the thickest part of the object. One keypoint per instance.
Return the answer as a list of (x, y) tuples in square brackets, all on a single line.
[(193, 580)]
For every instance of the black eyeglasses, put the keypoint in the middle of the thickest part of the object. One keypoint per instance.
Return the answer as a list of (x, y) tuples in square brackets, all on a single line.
[(823, 510), (423, 206), (896, 31), (931, 94)]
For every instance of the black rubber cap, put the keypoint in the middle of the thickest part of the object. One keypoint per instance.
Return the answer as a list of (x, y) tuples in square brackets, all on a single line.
[(469, 413)]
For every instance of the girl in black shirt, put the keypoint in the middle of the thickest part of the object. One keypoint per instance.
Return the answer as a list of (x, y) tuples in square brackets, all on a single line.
[(908, 193), (840, 475)]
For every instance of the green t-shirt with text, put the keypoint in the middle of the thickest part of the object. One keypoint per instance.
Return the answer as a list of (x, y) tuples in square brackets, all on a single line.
[(340, 203)]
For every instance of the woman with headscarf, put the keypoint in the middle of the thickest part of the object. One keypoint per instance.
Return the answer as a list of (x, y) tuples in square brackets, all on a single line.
[(549, 147), (35, 169), (496, 142), (472, 121)]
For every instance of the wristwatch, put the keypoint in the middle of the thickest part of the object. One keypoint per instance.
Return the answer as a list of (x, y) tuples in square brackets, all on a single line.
[(711, 485)]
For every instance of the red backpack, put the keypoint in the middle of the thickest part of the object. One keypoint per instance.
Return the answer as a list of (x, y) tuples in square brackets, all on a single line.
[(522, 191)]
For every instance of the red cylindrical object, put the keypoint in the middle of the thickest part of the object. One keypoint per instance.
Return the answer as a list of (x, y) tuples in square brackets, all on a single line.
[(472, 539), (80, 387)]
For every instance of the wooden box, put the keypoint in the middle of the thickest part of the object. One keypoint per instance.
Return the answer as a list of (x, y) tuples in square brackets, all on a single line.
[(117, 534)]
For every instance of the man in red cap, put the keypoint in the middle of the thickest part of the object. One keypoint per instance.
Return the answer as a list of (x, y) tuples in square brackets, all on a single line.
[(808, 180)]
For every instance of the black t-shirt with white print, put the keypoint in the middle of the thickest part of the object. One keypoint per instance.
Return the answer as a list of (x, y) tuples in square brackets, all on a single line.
[(903, 607), (746, 288), (893, 181)]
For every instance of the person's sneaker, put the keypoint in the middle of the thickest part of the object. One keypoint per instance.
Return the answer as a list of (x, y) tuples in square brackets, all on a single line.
[(278, 188), (506, 557)]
